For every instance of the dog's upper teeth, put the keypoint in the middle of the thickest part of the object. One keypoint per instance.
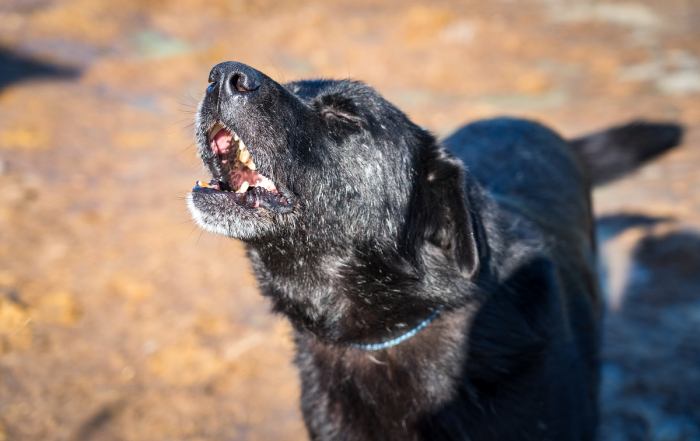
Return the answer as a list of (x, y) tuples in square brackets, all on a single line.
[(214, 130), (241, 146), (243, 156), (235, 137)]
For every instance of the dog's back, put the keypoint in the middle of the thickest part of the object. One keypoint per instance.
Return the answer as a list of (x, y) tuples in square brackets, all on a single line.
[(533, 167)]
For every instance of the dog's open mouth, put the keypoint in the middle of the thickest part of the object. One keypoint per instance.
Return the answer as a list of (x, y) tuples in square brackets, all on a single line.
[(240, 179)]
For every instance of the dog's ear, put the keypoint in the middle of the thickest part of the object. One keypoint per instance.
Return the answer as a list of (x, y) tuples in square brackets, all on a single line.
[(440, 212)]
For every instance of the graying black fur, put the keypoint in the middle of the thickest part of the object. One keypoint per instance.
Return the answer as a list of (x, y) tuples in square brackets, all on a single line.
[(386, 224)]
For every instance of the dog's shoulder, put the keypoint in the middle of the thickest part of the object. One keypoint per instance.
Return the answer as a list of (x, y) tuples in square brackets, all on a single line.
[(522, 160), (531, 173)]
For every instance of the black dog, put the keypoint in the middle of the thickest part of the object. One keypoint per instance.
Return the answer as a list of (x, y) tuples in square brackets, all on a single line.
[(429, 301)]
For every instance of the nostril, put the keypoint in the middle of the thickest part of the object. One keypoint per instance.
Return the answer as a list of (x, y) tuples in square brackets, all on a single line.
[(241, 83), (236, 83), (213, 81)]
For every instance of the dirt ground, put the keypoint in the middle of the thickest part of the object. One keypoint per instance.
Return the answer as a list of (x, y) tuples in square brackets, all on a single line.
[(120, 320)]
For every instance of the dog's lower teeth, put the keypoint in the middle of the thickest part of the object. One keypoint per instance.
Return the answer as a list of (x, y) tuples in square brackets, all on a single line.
[(244, 187)]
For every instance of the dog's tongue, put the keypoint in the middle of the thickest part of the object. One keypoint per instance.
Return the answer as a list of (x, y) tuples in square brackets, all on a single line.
[(221, 142)]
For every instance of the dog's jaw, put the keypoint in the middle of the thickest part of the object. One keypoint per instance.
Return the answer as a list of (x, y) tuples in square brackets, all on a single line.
[(206, 220), (246, 197)]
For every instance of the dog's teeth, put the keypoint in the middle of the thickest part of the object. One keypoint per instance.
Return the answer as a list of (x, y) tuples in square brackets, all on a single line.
[(250, 164), (267, 184), (241, 146), (243, 156), (203, 184), (244, 187), (235, 137), (214, 130)]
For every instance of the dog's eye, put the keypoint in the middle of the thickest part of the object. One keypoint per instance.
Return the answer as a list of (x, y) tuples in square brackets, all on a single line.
[(338, 108), (329, 113)]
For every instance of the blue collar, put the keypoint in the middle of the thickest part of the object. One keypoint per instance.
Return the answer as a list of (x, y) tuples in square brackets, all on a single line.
[(397, 340)]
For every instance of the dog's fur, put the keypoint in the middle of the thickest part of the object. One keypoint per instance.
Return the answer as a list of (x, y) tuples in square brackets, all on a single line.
[(386, 225)]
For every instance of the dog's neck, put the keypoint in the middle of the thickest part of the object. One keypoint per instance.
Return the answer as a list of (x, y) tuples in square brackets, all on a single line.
[(344, 295), (355, 295)]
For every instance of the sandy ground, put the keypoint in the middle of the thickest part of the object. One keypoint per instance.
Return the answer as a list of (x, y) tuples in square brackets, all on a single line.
[(120, 320)]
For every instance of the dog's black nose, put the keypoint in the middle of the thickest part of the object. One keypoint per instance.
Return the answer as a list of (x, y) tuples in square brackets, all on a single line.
[(232, 78)]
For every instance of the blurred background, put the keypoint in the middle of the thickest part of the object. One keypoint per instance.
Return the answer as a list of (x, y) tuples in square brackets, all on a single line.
[(120, 320)]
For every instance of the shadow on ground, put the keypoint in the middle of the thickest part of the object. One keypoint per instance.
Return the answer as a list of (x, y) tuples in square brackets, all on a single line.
[(651, 349), (15, 67)]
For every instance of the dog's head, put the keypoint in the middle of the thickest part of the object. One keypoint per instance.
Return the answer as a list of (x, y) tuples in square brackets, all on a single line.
[(325, 162)]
